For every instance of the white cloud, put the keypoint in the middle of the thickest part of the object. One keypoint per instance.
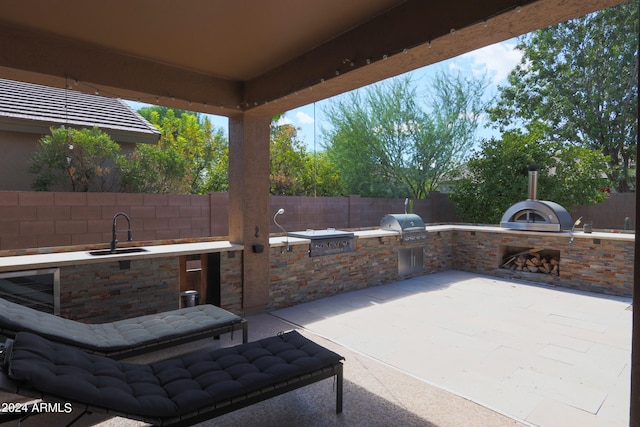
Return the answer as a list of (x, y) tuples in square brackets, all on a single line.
[(497, 60), (284, 120), (455, 67), (304, 118)]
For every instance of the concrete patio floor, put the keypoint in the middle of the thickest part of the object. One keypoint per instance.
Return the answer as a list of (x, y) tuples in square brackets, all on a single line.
[(449, 349), (540, 355)]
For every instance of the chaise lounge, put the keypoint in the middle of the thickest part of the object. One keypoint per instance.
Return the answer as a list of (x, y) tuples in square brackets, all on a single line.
[(180, 391), (123, 338)]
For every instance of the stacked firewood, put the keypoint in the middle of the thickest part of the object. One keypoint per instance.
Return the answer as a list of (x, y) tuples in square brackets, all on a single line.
[(533, 261)]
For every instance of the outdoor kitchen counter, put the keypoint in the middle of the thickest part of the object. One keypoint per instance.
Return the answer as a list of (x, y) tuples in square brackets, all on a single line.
[(577, 234), (60, 259), (363, 234), (366, 234)]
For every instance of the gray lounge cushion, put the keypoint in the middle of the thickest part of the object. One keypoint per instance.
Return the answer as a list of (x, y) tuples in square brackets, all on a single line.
[(170, 388), (118, 335)]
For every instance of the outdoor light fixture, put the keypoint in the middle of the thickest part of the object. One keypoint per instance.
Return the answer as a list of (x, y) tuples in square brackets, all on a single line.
[(575, 224), (280, 212)]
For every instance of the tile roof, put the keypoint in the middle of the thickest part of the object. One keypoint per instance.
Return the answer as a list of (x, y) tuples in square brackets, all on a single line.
[(29, 107)]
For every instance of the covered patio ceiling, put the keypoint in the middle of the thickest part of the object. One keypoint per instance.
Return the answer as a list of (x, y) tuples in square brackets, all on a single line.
[(249, 60), (228, 57)]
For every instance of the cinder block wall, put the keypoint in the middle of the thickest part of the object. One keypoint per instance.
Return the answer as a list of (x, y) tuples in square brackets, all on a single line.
[(57, 219), (610, 214), (46, 219)]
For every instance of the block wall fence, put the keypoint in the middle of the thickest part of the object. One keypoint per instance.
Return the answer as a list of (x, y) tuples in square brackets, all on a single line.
[(51, 219)]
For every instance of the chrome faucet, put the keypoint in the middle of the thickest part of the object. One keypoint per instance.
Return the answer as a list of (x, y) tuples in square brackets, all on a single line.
[(114, 238)]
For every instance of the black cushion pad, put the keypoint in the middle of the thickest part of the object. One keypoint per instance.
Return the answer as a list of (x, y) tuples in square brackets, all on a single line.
[(168, 388), (118, 335)]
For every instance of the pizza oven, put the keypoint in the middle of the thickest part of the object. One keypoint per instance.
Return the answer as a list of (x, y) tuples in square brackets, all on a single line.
[(536, 215)]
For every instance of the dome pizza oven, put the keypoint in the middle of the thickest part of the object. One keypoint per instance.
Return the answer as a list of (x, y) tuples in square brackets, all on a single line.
[(536, 215)]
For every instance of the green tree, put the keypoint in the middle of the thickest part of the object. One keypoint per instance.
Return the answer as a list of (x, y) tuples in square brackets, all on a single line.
[(581, 78), (324, 178), (289, 173), (496, 177), (152, 169), (190, 157), (294, 170), (215, 173), (386, 144), (72, 159)]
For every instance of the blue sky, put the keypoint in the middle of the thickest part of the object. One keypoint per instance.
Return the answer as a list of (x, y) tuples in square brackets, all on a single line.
[(495, 60)]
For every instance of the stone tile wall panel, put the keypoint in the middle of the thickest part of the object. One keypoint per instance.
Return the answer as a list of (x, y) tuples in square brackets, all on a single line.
[(103, 292), (589, 264)]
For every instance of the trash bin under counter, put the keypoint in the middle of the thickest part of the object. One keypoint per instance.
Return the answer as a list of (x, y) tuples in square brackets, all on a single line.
[(189, 298)]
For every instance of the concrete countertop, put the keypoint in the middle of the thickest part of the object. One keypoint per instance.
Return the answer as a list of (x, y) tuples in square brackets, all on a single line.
[(362, 234), (365, 234), (284, 241), (578, 233), (59, 259)]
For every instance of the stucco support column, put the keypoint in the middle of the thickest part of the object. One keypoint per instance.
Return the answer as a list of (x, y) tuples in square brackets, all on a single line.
[(249, 204)]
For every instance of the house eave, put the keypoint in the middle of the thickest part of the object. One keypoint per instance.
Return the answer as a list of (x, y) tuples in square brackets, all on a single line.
[(40, 127)]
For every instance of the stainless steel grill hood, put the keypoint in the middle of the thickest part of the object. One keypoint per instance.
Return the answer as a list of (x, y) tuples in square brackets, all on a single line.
[(536, 215), (402, 223), (410, 226)]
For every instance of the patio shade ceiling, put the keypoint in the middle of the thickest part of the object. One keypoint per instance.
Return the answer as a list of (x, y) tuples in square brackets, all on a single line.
[(252, 59), (228, 57)]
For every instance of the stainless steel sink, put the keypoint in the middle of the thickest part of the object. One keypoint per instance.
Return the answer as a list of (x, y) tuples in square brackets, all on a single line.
[(117, 251)]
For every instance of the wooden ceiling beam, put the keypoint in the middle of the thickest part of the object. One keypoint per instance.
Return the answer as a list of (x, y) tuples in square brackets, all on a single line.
[(411, 36), (37, 57), (389, 44)]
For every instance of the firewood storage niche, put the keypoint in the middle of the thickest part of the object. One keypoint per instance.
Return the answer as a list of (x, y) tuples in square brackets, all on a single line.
[(532, 260)]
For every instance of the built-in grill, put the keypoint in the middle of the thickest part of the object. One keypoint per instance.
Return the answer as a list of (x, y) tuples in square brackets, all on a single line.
[(326, 242), (536, 215), (410, 226)]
